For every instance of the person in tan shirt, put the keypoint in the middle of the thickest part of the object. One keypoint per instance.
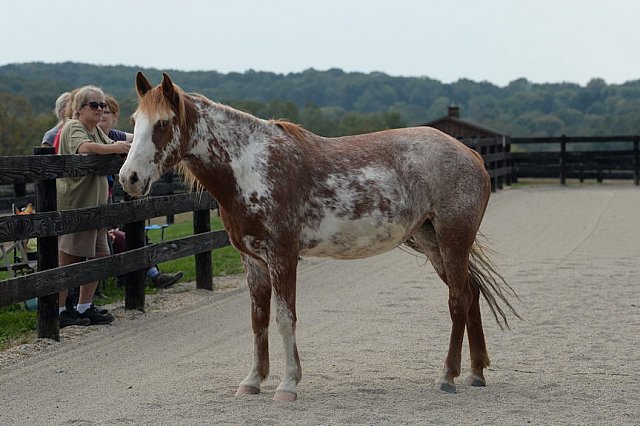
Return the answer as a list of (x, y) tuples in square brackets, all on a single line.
[(81, 135)]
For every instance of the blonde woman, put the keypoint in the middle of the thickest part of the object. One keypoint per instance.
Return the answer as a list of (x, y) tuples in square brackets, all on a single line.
[(81, 135)]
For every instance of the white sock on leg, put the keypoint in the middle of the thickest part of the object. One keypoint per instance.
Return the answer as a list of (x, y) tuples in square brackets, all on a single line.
[(83, 307)]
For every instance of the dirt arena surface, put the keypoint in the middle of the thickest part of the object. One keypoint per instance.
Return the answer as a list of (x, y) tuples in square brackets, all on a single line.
[(372, 336)]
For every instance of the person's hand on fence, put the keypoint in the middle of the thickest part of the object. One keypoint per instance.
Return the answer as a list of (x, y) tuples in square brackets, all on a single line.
[(121, 147)]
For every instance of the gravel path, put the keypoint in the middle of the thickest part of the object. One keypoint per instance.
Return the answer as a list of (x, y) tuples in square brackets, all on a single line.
[(372, 335)]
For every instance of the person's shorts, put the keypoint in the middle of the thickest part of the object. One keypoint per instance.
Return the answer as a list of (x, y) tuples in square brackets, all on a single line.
[(92, 243)]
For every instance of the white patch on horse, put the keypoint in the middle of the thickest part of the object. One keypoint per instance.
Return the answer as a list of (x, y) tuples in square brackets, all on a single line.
[(377, 174), (202, 133), (255, 246), (249, 170), (339, 234), (203, 148), (285, 327), (175, 142), (351, 239), (143, 154)]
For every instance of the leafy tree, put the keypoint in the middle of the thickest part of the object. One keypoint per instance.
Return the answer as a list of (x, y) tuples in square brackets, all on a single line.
[(313, 119), (20, 131), (334, 102)]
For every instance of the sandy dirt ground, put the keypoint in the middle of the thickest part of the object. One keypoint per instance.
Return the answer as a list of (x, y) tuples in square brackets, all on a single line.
[(372, 336)]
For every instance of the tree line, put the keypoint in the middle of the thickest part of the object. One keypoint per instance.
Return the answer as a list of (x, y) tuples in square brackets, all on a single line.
[(332, 102)]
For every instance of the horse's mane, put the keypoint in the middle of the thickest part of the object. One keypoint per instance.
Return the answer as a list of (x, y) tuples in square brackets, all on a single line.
[(193, 184), (292, 130), (155, 103)]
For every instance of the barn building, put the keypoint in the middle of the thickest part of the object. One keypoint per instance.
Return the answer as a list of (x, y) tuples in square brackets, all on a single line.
[(453, 125)]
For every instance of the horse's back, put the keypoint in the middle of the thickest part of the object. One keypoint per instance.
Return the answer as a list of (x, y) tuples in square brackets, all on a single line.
[(424, 159), (412, 145), (378, 188)]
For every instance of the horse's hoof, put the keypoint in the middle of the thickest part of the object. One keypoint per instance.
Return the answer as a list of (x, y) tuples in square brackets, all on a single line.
[(446, 387), (285, 396), (247, 390), (476, 381)]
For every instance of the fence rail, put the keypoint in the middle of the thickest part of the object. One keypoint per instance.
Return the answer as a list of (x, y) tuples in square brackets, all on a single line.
[(47, 224), (621, 160)]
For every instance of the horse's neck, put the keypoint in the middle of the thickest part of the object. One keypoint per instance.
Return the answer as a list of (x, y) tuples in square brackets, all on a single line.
[(231, 129), (228, 142)]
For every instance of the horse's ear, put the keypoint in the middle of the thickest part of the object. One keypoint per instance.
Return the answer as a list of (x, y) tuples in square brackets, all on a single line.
[(142, 84), (169, 90)]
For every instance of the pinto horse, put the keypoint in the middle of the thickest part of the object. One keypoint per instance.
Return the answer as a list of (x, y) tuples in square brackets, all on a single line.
[(284, 192)]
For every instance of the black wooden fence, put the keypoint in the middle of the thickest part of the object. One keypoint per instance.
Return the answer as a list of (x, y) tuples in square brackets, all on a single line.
[(45, 225), (578, 157)]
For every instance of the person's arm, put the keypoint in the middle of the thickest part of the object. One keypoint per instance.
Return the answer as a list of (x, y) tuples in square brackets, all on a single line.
[(119, 135), (120, 147)]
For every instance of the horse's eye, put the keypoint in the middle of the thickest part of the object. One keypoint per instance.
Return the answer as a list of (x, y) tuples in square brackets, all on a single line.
[(163, 124)]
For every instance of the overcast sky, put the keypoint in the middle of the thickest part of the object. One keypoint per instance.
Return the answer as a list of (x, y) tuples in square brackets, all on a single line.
[(482, 40)]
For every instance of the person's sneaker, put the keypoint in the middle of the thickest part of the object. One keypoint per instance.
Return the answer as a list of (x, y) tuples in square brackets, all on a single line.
[(100, 310), (166, 280), (95, 317), (72, 317)]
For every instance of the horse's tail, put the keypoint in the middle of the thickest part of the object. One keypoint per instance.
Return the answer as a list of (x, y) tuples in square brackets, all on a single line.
[(492, 285)]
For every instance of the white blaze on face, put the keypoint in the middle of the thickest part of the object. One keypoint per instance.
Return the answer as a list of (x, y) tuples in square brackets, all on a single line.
[(141, 157)]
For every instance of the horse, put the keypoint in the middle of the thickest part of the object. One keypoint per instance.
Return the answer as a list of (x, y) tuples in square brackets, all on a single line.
[(284, 192)]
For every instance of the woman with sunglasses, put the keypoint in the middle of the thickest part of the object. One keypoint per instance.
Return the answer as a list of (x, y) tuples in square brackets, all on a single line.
[(81, 135)]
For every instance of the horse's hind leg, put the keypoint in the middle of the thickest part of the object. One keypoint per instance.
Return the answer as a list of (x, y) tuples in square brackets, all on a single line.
[(455, 257), (260, 288), (477, 345), (449, 255)]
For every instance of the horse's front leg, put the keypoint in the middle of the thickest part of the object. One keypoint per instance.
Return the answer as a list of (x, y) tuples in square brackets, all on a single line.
[(283, 277), (260, 289)]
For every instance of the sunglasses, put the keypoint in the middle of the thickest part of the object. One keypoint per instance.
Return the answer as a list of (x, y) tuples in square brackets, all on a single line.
[(95, 105)]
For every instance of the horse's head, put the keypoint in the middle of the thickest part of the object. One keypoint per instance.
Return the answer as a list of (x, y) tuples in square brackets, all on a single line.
[(158, 139)]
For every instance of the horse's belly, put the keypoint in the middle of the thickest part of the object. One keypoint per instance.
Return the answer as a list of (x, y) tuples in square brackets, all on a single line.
[(353, 239)]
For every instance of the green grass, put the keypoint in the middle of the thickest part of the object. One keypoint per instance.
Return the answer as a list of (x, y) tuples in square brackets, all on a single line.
[(226, 261), (18, 325)]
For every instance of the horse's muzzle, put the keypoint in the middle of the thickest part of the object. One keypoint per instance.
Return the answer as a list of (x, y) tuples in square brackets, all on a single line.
[(132, 184)]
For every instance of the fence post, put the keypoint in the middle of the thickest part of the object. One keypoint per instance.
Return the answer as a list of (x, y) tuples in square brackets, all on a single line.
[(636, 161), (169, 181), (508, 162), (563, 158), (204, 267), (46, 199), (500, 163), (20, 188), (135, 237)]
